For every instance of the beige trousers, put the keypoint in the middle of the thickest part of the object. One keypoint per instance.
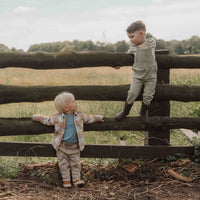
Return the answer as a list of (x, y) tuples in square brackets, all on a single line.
[(135, 88), (69, 161), (145, 73)]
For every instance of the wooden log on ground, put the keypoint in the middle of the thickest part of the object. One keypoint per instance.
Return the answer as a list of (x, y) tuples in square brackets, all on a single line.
[(164, 92), (42, 60), (24, 126), (178, 176), (96, 151)]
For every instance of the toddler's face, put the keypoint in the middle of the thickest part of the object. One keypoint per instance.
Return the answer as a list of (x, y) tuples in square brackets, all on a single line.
[(71, 106), (136, 37)]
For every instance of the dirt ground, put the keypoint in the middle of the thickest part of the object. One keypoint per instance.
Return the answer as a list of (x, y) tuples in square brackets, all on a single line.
[(140, 180)]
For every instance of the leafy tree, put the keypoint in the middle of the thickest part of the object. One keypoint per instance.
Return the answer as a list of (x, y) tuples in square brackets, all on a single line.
[(121, 46), (148, 35), (160, 44), (194, 45), (4, 48), (190, 46)]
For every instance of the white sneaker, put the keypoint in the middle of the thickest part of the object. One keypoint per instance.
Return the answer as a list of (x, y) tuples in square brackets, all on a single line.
[(67, 184)]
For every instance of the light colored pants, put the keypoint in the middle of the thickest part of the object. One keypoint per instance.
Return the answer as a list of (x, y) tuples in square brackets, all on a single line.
[(136, 86), (69, 160)]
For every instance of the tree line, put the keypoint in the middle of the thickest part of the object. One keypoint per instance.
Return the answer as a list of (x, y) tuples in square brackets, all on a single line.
[(190, 46)]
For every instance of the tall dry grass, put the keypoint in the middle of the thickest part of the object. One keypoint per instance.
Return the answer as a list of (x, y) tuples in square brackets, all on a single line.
[(80, 76)]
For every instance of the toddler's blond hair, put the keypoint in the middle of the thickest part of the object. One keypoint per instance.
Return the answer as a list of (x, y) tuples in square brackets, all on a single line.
[(62, 99)]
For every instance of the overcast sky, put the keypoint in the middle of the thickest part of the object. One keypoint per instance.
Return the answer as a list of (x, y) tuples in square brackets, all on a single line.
[(26, 22)]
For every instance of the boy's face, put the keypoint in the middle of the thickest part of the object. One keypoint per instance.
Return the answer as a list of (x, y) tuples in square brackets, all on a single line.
[(71, 107), (137, 37)]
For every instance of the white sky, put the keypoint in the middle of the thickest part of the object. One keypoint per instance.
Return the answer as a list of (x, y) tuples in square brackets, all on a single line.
[(26, 22)]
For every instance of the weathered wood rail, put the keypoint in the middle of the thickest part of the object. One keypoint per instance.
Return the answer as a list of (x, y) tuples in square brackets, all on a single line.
[(41, 60), (24, 126), (13, 94), (95, 151), (157, 142)]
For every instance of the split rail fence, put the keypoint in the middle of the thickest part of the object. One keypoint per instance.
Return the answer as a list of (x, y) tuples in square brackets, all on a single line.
[(157, 138)]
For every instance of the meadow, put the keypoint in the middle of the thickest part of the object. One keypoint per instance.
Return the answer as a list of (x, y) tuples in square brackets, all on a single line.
[(88, 76)]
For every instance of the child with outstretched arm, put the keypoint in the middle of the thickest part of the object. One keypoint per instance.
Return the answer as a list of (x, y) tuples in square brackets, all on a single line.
[(145, 70), (68, 138)]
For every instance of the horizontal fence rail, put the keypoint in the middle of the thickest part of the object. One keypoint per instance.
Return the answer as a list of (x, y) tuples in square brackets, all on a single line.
[(41, 60), (164, 92), (24, 126), (95, 151)]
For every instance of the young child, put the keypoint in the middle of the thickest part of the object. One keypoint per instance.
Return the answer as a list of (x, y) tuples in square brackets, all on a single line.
[(145, 70), (68, 138)]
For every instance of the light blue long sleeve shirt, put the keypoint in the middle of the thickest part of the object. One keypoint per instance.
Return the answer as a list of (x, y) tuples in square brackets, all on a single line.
[(70, 135)]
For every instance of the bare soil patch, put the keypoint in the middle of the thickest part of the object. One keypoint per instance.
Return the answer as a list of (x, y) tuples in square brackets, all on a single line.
[(141, 180)]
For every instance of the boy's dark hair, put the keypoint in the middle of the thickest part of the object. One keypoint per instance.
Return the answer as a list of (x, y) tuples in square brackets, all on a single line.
[(136, 26)]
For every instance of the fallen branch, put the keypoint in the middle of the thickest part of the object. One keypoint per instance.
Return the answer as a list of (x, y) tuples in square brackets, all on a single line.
[(178, 176), (137, 194)]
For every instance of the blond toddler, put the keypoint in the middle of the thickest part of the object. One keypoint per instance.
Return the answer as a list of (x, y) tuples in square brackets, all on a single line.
[(68, 138)]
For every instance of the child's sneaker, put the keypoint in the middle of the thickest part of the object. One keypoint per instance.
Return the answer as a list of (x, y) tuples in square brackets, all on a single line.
[(67, 184), (79, 183)]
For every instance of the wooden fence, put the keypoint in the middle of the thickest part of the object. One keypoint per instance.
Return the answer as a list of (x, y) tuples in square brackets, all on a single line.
[(157, 142)]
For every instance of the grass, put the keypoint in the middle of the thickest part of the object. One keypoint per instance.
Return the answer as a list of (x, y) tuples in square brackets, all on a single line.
[(85, 76), (81, 76)]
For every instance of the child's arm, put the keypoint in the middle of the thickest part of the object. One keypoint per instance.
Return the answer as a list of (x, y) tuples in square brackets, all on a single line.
[(130, 51), (88, 119), (49, 121)]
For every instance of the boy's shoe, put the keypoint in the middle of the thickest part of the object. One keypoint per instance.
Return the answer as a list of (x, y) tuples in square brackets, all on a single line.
[(144, 114), (79, 183), (121, 115), (67, 184)]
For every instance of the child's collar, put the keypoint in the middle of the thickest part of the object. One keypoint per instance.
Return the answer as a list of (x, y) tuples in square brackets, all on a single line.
[(63, 114)]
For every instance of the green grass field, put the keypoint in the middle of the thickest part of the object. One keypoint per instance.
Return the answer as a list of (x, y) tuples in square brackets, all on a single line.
[(87, 76)]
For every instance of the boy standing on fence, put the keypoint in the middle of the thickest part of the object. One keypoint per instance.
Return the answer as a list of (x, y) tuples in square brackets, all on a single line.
[(68, 138), (145, 70)]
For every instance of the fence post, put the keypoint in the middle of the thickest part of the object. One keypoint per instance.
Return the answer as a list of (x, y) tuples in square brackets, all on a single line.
[(159, 108)]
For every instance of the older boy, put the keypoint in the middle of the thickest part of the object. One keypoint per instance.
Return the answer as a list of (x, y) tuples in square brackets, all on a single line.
[(68, 137), (145, 70)]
